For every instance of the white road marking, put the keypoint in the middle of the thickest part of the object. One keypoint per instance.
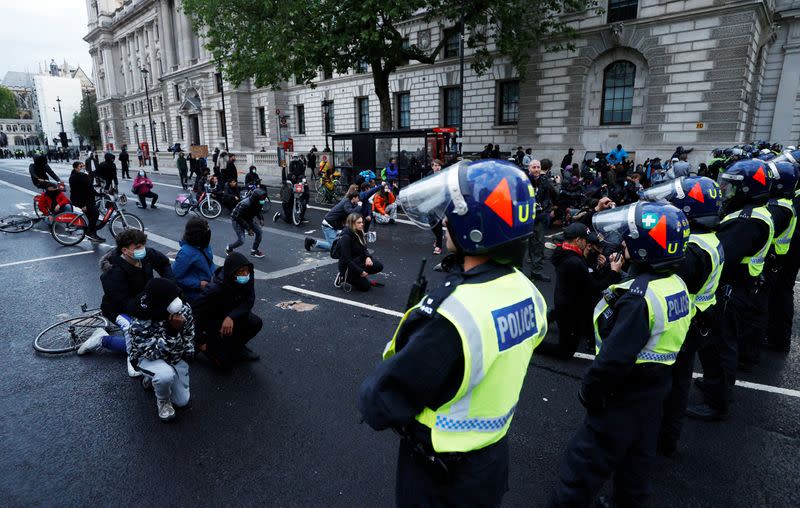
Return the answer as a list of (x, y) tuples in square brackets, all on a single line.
[(399, 221), (296, 269), (345, 301), (583, 356), (34, 260), (17, 187)]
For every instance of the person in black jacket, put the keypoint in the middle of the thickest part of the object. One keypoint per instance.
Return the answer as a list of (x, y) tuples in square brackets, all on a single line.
[(229, 172), (82, 194), (545, 195), (125, 160), (356, 263), (107, 172), (126, 270), (224, 319), (232, 195), (243, 220), (577, 289), (39, 172)]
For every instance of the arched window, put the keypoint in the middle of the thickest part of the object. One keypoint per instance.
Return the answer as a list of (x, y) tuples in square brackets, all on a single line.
[(618, 79)]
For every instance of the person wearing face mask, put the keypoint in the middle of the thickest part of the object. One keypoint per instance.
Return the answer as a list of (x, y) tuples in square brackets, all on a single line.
[(160, 337), (224, 310), (252, 177), (194, 263), (143, 187), (243, 219)]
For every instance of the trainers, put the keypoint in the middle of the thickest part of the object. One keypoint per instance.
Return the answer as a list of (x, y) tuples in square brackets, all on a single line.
[(154, 207), (132, 372), (391, 221), (276, 216), (256, 253), (248, 355), (95, 238), (93, 343), (228, 250), (147, 383), (310, 242), (165, 410)]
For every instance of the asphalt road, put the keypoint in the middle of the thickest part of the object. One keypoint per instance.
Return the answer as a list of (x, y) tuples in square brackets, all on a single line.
[(285, 431)]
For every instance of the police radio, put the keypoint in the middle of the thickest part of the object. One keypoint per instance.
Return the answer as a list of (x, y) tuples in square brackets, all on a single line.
[(419, 287)]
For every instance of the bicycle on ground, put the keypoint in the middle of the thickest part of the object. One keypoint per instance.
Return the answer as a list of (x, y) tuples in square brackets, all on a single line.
[(67, 335)]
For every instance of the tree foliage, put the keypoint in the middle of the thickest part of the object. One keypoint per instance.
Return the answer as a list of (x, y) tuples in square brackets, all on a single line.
[(273, 41), (8, 103), (85, 122)]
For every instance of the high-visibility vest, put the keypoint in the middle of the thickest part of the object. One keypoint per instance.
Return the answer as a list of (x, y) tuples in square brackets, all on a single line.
[(783, 239), (500, 323), (711, 245), (669, 310), (755, 264)]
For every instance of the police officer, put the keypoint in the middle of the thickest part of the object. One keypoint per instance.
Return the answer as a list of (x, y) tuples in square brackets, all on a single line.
[(699, 198), (640, 325), (746, 233), (454, 369), (781, 301), (717, 163)]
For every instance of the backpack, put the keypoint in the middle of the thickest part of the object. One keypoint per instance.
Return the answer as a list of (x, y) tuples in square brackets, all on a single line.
[(336, 246)]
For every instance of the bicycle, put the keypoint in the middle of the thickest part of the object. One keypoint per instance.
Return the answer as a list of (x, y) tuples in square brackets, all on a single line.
[(206, 205), (71, 232), (68, 335), (327, 190)]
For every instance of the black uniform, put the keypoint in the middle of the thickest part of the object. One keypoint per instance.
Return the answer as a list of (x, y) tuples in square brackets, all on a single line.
[(624, 402), (740, 238), (125, 161), (694, 271), (781, 300), (426, 372), (39, 171), (107, 172)]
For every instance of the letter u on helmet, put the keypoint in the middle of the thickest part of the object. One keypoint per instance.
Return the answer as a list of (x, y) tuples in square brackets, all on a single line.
[(654, 233), (487, 203), (698, 197)]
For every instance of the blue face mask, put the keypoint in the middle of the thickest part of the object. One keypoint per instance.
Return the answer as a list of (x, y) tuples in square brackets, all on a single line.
[(242, 279), (261, 202), (140, 253)]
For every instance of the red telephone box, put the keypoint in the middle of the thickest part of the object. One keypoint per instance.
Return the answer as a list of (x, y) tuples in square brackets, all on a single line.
[(145, 149)]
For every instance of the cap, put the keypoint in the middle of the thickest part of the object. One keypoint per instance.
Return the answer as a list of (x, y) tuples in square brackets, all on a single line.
[(576, 230)]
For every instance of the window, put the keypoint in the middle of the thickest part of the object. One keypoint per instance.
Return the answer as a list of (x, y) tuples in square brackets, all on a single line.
[(301, 118), (362, 104), (404, 110), (451, 99), (362, 67), (508, 102), (617, 103), (163, 131), (327, 73), (328, 117), (621, 10), (218, 81), (180, 127), (221, 123), (406, 45), (177, 94), (452, 41), (262, 121)]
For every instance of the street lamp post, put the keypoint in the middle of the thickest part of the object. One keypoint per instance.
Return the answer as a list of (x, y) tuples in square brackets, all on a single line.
[(221, 86), (62, 134), (326, 108), (150, 120)]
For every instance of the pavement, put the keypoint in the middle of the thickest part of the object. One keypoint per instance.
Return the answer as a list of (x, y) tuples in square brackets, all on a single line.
[(285, 431)]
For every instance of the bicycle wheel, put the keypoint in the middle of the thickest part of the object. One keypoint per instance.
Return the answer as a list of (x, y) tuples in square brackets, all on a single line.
[(210, 209), (338, 189), (182, 208), (68, 228), (320, 185), (121, 222), (15, 224), (297, 211), (67, 335)]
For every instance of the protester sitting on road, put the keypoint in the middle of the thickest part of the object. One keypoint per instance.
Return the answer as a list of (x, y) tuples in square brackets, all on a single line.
[(53, 200), (252, 177), (356, 263), (40, 170), (107, 172), (143, 187), (224, 312), (232, 195), (161, 335), (243, 220), (194, 263), (334, 220), (384, 206), (82, 194)]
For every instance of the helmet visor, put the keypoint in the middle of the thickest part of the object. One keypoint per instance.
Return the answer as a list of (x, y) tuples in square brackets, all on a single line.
[(664, 191), (425, 202), (615, 222), (727, 185)]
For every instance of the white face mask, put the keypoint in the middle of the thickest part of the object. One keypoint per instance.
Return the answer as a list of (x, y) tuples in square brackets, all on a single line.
[(175, 306)]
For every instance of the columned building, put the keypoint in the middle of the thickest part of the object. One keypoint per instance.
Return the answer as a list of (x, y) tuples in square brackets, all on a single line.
[(649, 74)]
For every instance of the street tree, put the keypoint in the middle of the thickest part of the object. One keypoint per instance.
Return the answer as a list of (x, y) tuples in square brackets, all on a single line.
[(85, 122), (273, 41), (8, 103)]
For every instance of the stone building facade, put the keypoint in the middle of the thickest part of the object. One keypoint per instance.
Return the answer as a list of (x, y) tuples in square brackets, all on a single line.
[(649, 74)]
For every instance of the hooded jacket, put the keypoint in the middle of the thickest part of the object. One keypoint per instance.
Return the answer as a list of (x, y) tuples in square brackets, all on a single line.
[(224, 297), (247, 210), (142, 185), (123, 282), (193, 264), (107, 171), (81, 190), (40, 169)]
